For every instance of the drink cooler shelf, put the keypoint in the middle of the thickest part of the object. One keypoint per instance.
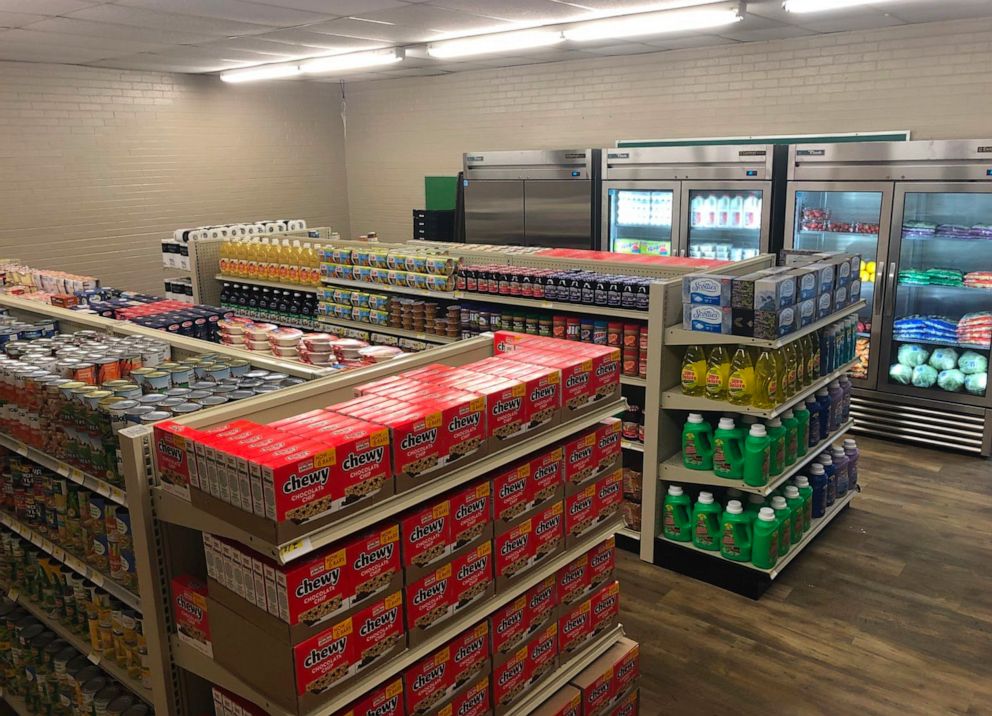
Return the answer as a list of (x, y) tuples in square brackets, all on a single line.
[(816, 527), (198, 663), (672, 469), (676, 400), (175, 510), (679, 336)]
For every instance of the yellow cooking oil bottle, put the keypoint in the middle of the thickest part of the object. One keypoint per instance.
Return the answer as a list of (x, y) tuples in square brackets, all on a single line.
[(717, 373), (694, 371), (740, 383), (766, 381)]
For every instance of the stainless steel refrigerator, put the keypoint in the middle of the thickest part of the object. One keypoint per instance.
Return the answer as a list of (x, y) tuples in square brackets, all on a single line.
[(920, 214), (710, 201), (532, 198)]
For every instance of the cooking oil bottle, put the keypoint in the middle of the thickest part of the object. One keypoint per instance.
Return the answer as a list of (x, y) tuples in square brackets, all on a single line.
[(694, 371), (740, 384), (766, 381), (718, 373)]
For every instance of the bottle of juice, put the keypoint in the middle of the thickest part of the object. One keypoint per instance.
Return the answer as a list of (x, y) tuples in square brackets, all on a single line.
[(818, 483), (791, 370), (756, 457), (852, 452), (779, 357), (802, 429), (706, 522), (717, 373), (806, 492), (697, 443), (294, 262), (813, 408), (765, 381), (791, 426), (736, 541), (728, 450), (764, 548), (796, 510), (694, 372), (784, 516), (224, 264), (740, 384), (776, 445), (677, 515)]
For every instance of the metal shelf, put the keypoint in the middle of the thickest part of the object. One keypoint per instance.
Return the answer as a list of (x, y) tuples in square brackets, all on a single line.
[(72, 562), (672, 469), (390, 330), (815, 528), (196, 662), (65, 470), (552, 305), (271, 284), (387, 288), (16, 703), (631, 445), (676, 400), (83, 646), (627, 532), (178, 511), (279, 322), (679, 336), (633, 380)]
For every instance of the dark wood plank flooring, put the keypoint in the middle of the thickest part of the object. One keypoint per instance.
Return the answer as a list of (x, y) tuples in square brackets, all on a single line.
[(888, 611)]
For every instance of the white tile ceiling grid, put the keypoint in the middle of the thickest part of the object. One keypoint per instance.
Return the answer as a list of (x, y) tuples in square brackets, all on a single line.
[(202, 36)]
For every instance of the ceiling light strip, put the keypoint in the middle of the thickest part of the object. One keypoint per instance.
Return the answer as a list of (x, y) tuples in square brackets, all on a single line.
[(698, 17)]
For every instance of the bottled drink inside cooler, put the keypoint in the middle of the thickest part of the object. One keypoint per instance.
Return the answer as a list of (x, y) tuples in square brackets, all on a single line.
[(641, 222), (942, 312), (845, 221), (724, 224)]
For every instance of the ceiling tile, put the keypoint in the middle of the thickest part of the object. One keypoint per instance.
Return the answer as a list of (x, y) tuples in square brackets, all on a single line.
[(339, 7), (70, 26), (47, 7), (161, 64), (415, 72), (242, 10), (834, 22), (18, 19), (936, 11), (150, 19), (275, 50), (28, 38), (629, 6), (383, 32), (684, 43), (305, 38), (782, 32), (529, 12), (62, 55), (434, 18), (628, 48)]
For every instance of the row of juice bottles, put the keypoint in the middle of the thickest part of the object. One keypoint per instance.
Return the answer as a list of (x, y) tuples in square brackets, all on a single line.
[(755, 452), (766, 528), (271, 259), (765, 378)]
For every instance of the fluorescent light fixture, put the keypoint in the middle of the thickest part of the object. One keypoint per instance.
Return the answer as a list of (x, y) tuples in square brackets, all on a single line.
[(497, 42), (351, 61), (824, 5), (655, 23), (265, 72)]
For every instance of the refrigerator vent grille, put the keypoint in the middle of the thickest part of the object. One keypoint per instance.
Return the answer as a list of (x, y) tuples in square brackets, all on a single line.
[(943, 428)]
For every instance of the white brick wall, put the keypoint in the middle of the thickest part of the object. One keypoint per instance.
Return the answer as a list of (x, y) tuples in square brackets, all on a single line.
[(933, 79), (96, 166)]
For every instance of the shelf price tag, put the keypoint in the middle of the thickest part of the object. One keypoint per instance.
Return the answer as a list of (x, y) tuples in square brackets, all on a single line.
[(547, 304), (94, 577), (13, 594), (291, 550), (76, 475), (94, 658), (118, 495)]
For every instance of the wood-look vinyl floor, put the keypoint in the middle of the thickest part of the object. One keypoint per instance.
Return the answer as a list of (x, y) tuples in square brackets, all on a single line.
[(888, 611)]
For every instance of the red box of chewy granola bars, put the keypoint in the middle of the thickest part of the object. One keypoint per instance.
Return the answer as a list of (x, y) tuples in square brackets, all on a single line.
[(542, 599), (549, 532), (605, 607), (514, 551), (428, 681), (470, 654), (471, 514), (510, 679), (473, 701), (540, 393), (609, 495), (426, 533), (542, 652), (384, 701), (508, 627)]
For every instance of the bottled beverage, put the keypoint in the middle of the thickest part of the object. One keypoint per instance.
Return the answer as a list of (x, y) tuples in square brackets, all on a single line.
[(764, 547), (831, 472), (697, 443), (677, 515), (852, 452), (765, 381), (796, 509), (728, 450), (806, 492), (840, 467), (717, 373), (706, 522), (818, 482), (740, 383), (790, 385), (791, 426), (784, 516), (737, 211), (756, 457), (735, 543), (694, 372), (776, 446)]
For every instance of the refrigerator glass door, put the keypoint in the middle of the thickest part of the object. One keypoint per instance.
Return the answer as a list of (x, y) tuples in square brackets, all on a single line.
[(850, 218), (640, 220), (938, 314), (726, 221)]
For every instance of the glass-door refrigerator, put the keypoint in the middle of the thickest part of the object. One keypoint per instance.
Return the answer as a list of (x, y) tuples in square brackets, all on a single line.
[(700, 201), (920, 214)]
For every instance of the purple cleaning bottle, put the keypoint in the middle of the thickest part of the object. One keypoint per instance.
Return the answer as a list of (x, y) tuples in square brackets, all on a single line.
[(823, 398), (852, 452), (836, 394), (813, 432), (841, 463), (831, 472)]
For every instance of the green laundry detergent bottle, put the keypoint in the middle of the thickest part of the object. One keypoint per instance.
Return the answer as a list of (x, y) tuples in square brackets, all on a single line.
[(736, 541), (764, 549), (697, 443), (728, 450), (801, 414), (677, 515), (796, 507), (784, 516), (791, 426), (776, 446), (706, 522), (756, 456), (806, 492), (754, 505)]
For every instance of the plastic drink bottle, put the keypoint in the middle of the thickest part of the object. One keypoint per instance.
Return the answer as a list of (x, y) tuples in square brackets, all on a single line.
[(791, 436), (697, 443), (818, 481), (740, 383), (836, 405), (831, 473), (754, 503), (796, 509), (806, 492), (736, 541), (728, 450), (802, 429), (706, 523), (694, 372), (764, 547), (791, 371), (780, 370), (852, 452), (765, 381), (756, 457), (784, 515), (677, 515), (776, 444), (813, 407), (823, 398), (840, 470), (717, 373), (847, 387)]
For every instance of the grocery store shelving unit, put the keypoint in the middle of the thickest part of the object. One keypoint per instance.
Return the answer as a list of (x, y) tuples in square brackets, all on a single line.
[(683, 557)]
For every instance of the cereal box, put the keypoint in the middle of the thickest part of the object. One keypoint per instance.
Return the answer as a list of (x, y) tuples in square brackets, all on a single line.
[(429, 681), (386, 700), (189, 606)]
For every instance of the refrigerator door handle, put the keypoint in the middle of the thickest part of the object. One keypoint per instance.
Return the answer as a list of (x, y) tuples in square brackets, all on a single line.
[(890, 290), (880, 290)]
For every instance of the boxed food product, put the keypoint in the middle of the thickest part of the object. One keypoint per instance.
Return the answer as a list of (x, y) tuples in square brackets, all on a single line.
[(510, 679), (471, 515), (627, 704), (573, 580), (775, 292), (470, 655), (473, 700), (541, 394), (602, 562), (709, 319), (574, 628), (806, 313), (549, 532), (580, 513), (705, 288), (453, 587), (625, 656), (605, 607), (512, 493), (189, 608), (609, 495), (566, 701), (426, 535), (542, 652), (592, 453), (547, 469), (508, 627), (514, 548), (429, 681), (806, 283), (595, 683), (386, 700), (228, 704), (542, 603)]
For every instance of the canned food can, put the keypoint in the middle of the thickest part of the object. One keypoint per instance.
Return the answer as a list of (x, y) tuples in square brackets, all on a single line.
[(84, 372), (134, 416), (107, 369), (157, 381), (155, 416)]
